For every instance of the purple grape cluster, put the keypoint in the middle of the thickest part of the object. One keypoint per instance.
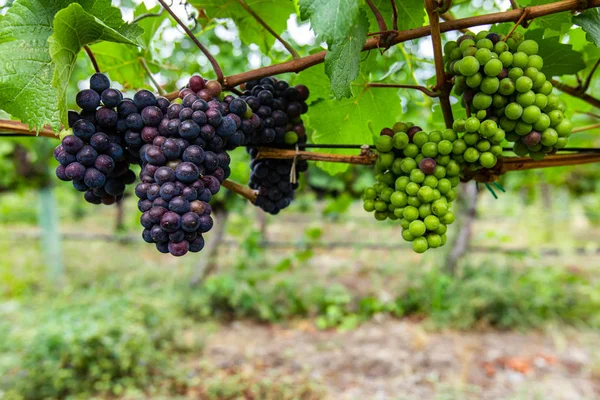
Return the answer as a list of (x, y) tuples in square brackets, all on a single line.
[(278, 107), (105, 140), (184, 161)]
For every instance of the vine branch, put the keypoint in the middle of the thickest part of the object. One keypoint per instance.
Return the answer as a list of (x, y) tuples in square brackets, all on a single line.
[(242, 190), (204, 50), (159, 88), (575, 92), (586, 128), (366, 157), (258, 19), (423, 89), (147, 15), (380, 21), (394, 15), (92, 57), (588, 80)]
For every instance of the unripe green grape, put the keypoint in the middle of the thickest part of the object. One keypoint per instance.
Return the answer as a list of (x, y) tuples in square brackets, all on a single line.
[(400, 127), (431, 222), (556, 117), (481, 115), (412, 188), (435, 136), (471, 155), (450, 135), (440, 171), (531, 114), (411, 150), (468, 65), (425, 194), (507, 87), (499, 101), (524, 84), (406, 235), (400, 140), (459, 125), (440, 207), (429, 149), (451, 195), (420, 244), (546, 88), (537, 155), (541, 100), (535, 148), (380, 215), (380, 205), (506, 58), (370, 194), (501, 48), (444, 239), (507, 124), (496, 150), (458, 89), (455, 54), (539, 81), (499, 136), (397, 166), (472, 124), (442, 160), (465, 44), (386, 194), (388, 178), (436, 195), (457, 65), (531, 73), (542, 123), (564, 128), (404, 224), (498, 112), (454, 181), (369, 205), (529, 47), (483, 55), (513, 111), (483, 145), (379, 186), (391, 209), (493, 67), (448, 218), (452, 169), (444, 147), (490, 85), (526, 99), (424, 210), (549, 137), (411, 213), (471, 138), (485, 44), (553, 102), (512, 136), (520, 60), (419, 158), (488, 128), (401, 183), (515, 73), (414, 201), (444, 186), (561, 142), (384, 144), (469, 52), (449, 46), (430, 181), (408, 164), (523, 128), (487, 160), (399, 199), (562, 106), (417, 176), (434, 240), (474, 81), (392, 216), (419, 139), (442, 230), (385, 160)]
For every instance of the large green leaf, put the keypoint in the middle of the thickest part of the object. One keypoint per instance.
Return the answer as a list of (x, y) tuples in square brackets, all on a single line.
[(332, 20), (274, 12), (342, 61), (352, 121), (73, 29), (559, 58), (26, 67), (590, 22), (551, 21)]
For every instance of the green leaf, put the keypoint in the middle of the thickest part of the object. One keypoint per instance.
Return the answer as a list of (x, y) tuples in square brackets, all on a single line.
[(316, 81), (590, 22), (150, 25), (74, 28), (332, 20), (122, 63), (411, 13), (26, 67), (274, 12), (352, 121), (551, 21), (559, 58), (342, 61)]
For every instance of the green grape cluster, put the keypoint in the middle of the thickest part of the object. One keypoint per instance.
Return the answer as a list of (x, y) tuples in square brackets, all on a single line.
[(479, 145), (501, 80), (416, 180)]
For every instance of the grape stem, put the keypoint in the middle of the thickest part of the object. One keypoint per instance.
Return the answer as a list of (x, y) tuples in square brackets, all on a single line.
[(144, 64), (423, 89), (242, 190), (380, 21), (204, 50), (147, 15), (92, 57), (575, 92), (524, 14), (258, 19), (514, 4), (366, 157), (586, 128), (442, 83), (394, 14), (583, 88), (8, 126)]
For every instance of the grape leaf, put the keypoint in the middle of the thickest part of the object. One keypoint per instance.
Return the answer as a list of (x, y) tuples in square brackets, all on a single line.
[(274, 12), (551, 21), (411, 13), (74, 28), (590, 22), (559, 58), (332, 20), (352, 121), (26, 68), (316, 81), (342, 61)]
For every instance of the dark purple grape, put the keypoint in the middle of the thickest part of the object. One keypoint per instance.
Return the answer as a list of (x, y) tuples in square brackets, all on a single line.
[(114, 187), (265, 97), (144, 205), (156, 213), (173, 127), (144, 98), (126, 108), (147, 236), (177, 236), (174, 110), (205, 195), (158, 234), (163, 104), (200, 105), (197, 244), (72, 117), (190, 222), (99, 82), (155, 156), (135, 122), (210, 161), (190, 194), (146, 221), (213, 116), (149, 133), (189, 99), (186, 113), (94, 178), (72, 144), (100, 141), (179, 205), (428, 166), (80, 186), (88, 100), (141, 189), (238, 106), (153, 191), (164, 175), (106, 117), (171, 149), (133, 138), (179, 249), (87, 155), (170, 221), (199, 117), (168, 191), (303, 92), (151, 116), (61, 173), (111, 97), (189, 129), (207, 132), (90, 197), (187, 172), (227, 127), (211, 183), (104, 164), (115, 151), (205, 223)]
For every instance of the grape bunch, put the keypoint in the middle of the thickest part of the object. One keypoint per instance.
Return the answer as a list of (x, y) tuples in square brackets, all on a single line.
[(278, 108), (479, 145), (416, 179), (98, 155), (184, 161), (501, 79)]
